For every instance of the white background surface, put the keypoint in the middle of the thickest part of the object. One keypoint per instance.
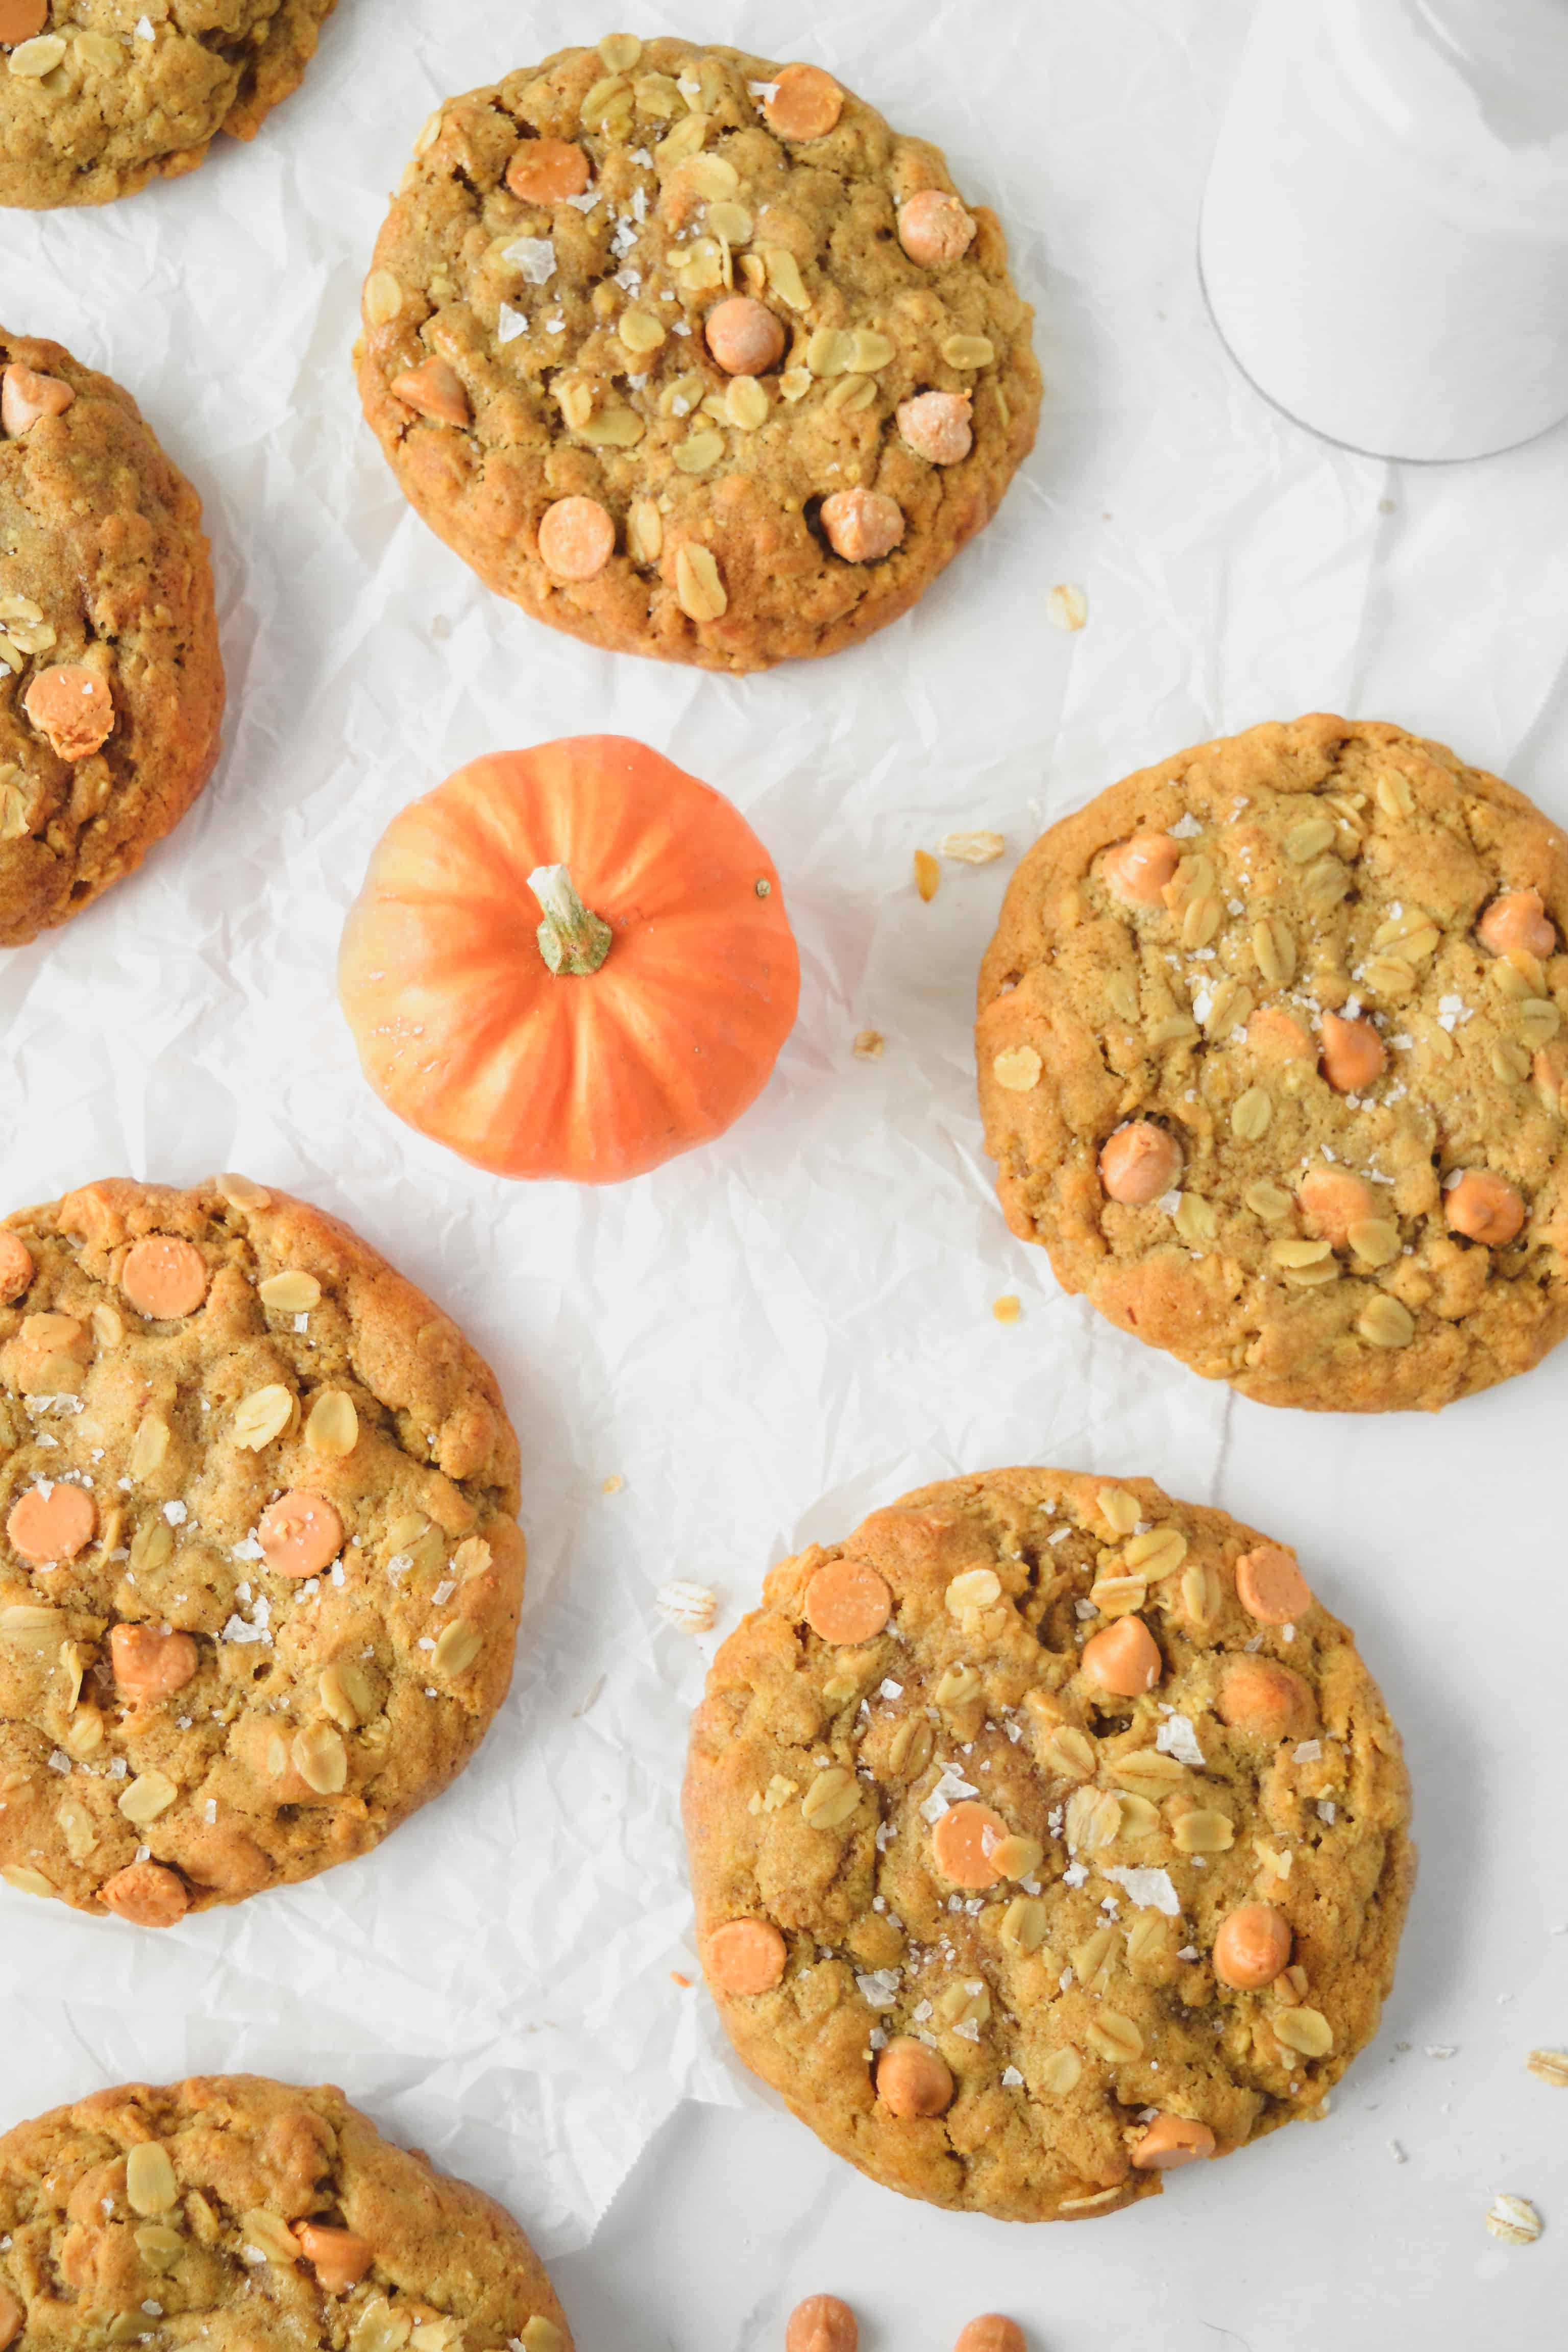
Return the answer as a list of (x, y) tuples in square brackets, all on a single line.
[(766, 1340)]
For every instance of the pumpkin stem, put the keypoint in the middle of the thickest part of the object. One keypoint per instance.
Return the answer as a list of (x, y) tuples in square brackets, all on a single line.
[(571, 938)]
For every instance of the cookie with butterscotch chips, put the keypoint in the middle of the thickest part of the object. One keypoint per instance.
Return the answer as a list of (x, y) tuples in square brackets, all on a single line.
[(691, 355), (111, 684), (1271, 1056), (97, 101), (237, 2212), (1046, 1834), (261, 1570)]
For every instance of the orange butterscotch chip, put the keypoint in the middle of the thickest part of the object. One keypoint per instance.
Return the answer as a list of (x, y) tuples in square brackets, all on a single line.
[(1252, 1947), (744, 336), (13, 2317), (938, 427), (149, 1665), (1354, 1054), (1140, 1163), (25, 394), (862, 526), (934, 228), (547, 170), (962, 1843), (913, 2080), (746, 1956), (1136, 871), (21, 20), (1267, 1700), (805, 103), (1485, 1208), (15, 1267), (1171, 2140), (1124, 1658), (147, 1894), (49, 1524), (822, 2324), (1518, 924), (164, 1278), (435, 390), (576, 538), (847, 1603), (300, 1534), (72, 708), (339, 2257), (1333, 1201), (1270, 1587), (990, 2332), (1139, 869)]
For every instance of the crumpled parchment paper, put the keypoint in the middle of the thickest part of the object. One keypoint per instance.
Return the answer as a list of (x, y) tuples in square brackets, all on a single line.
[(766, 1339)]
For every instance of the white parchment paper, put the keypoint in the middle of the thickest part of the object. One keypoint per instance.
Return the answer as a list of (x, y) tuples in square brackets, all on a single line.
[(764, 1339)]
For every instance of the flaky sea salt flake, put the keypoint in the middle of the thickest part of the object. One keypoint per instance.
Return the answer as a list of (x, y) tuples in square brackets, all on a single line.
[(1150, 1890), (1176, 1737), (533, 259)]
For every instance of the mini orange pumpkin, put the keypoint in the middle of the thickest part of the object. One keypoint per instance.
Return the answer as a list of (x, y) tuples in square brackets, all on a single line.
[(640, 1017)]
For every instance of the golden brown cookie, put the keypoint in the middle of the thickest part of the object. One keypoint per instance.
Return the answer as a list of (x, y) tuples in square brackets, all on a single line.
[(1046, 1834), (260, 1564), (239, 2214), (112, 687), (1271, 1060), (690, 355), (96, 99)]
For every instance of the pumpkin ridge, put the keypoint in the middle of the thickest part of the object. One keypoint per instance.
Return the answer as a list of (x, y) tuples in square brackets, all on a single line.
[(655, 1102), (683, 1001)]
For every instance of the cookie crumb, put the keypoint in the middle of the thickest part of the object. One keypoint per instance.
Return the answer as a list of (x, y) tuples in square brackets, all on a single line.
[(1066, 607)]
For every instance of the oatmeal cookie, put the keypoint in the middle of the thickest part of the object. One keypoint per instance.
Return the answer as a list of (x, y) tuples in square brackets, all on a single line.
[(261, 1570), (112, 687), (690, 355), (1046, 1834), (98, 97), (237, 2212), (1271, 1059)]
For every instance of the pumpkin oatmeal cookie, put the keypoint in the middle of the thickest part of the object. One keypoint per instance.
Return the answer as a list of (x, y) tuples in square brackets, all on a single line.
[(112, 687), (1044, 1835), (237, 2212), (260, 1564), (98, 97), (690, 355), (1272, 1061)]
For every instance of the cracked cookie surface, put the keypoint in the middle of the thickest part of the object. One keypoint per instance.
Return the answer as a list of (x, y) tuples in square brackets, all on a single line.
[(690, 355), (112, 684), (234, 2212), (99, 97), (261, 1570), (1271, 1058), (1046, 1834)]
